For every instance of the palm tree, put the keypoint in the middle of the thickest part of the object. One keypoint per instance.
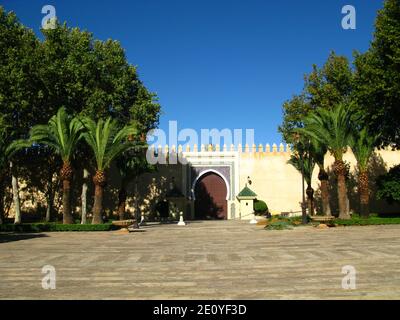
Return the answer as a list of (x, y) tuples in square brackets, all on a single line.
[(318, 152), (363, 146), (303, 161), (61, 135), (333, 128), (107, 142)]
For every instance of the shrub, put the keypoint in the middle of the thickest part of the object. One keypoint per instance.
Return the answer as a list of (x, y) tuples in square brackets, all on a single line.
[(54, 227), (260, 207), (388, 185), (279, 225)]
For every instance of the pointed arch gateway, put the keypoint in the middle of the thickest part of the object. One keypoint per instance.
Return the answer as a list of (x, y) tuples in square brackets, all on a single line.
[(211, 192)]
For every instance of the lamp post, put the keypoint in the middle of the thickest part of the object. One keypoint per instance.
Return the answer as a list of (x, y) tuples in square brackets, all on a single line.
[(303, 200)]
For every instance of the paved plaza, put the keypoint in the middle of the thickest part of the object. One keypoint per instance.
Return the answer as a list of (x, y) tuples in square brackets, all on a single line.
[(203, 260)]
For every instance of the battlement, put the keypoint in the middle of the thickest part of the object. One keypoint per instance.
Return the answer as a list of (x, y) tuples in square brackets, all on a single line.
[(275, 149), (245, 151)]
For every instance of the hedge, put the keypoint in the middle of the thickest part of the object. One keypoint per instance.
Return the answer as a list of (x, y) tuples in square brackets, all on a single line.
[(54, 227), (366, 222)]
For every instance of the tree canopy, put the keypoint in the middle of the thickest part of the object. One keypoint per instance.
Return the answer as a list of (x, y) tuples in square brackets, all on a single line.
[(324, 87), (66, 68), (377, 77)]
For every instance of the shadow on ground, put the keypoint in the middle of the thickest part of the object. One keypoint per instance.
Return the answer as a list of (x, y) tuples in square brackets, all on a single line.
[(10, 237)]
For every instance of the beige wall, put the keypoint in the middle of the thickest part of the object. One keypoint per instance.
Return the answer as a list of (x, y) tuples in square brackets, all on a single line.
[(279, 184), (273, 180)]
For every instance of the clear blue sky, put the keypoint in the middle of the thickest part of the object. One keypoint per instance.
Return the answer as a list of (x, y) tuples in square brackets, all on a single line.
[(218, 63)]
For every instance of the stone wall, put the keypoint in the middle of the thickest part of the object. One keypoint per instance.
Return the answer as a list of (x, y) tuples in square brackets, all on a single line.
[(272, 179)]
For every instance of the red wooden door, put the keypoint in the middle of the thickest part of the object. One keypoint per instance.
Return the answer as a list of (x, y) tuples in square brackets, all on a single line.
[(210, 192)]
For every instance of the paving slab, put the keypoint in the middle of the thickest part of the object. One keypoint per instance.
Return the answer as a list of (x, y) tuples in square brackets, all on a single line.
[(203, 260)]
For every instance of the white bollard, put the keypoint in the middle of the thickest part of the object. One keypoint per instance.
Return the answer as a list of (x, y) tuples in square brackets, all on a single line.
[(253, 221), (142, 222), (181, 222)]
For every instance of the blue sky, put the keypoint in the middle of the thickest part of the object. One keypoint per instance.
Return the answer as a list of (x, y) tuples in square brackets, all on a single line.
[(218, 63)]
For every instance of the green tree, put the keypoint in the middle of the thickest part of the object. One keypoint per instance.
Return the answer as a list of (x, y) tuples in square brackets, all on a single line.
[(377, 77), (8, 154), (19, 63), (133, 163), (69, 69), (324, 88), (3, 165), (40, 159), (130, 164), (294, 112), (318, 152), (330, 85), (19, 99), (107, 141), (333, 128), (61, 135), (388, 185), (363, 145), (93, 78), (303, 161)]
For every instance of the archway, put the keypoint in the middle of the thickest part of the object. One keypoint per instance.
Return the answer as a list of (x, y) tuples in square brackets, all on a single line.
[(210, 193)]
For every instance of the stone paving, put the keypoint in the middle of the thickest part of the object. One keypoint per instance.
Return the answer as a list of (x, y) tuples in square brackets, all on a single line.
[(204, 260)]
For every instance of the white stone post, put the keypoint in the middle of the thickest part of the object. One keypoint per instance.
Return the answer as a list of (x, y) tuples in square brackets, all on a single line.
[(253, 220), (181, 222)]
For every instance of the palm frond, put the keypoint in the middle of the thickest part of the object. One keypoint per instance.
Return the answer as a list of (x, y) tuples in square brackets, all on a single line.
[(303, 163), (16, 146), (363, 145), (330, 128), (61, 134), (107, 140)]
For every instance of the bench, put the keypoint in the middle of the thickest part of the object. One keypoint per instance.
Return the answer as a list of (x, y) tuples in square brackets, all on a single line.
[(322, 219)]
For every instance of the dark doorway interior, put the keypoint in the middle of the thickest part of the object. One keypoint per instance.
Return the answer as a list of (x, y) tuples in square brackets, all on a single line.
[(210, 192)]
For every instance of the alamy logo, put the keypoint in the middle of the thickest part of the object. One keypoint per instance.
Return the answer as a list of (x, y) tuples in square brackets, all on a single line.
[(349, 20), (349, 280), (49, 20), (49, 280), (188, 136)]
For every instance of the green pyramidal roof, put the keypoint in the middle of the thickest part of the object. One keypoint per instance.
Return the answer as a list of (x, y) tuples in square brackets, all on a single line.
[(246, 193)]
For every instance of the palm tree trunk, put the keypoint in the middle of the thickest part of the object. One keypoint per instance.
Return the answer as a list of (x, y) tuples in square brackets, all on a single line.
[(84, 196), (310, 200), (49, 204), (122, 201), (67, 215), (323, 177), (15, 192), (49, 197), (342, 195), (98, 205), (66, 177), (1, 198), (1, 201), (341, 170), (363, 188), (99, 182)]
